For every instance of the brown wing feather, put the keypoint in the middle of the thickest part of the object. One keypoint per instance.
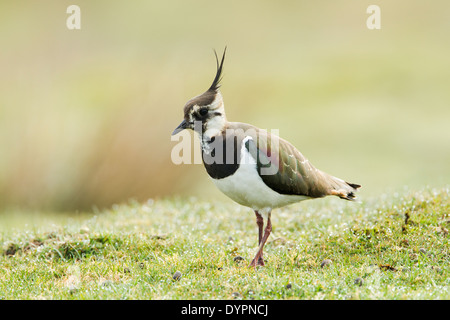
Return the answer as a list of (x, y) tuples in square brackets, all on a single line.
[(291, 172)]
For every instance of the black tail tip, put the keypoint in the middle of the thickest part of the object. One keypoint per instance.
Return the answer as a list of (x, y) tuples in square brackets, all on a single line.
[(354, 185), (350, 196)]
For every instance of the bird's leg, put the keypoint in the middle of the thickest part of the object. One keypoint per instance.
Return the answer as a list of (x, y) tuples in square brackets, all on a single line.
[(258, 260), (260, 223)]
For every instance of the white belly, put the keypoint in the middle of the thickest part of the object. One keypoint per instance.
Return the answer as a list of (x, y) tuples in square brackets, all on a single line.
[(247, 188)]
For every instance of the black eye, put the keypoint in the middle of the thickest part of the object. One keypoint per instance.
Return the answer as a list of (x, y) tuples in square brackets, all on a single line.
[(203, 111)]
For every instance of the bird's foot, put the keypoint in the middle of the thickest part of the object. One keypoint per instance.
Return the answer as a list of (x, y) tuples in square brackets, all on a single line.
[(254, 264)]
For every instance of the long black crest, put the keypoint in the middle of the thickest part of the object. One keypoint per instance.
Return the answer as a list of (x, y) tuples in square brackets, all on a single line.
[(216, 83)]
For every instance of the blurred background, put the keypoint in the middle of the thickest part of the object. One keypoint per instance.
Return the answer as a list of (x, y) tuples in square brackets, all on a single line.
[(86, 115)]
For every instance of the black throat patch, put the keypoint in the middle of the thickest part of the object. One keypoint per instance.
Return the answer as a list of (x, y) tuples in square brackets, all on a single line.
[(221, 156)]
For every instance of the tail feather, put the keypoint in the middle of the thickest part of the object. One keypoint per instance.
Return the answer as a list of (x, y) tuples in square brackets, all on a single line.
[(345, 190), (353, 185)]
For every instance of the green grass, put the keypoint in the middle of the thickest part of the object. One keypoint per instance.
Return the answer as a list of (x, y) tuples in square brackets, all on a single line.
[(86, 117), (397, 244)]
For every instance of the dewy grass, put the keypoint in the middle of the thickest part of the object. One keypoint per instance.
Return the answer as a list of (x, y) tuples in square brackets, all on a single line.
[(391, 247)]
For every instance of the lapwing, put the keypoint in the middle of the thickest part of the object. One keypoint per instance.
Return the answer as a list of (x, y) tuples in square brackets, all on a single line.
[(253, 167)]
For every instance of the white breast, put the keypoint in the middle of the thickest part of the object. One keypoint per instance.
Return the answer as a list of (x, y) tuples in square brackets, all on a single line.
[(247, 188)]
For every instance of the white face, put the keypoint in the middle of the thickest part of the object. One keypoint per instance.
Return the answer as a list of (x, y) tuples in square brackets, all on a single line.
[(211, 117)]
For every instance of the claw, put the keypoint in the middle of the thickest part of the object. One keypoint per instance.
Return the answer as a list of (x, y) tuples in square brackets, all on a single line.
[(254, 264)]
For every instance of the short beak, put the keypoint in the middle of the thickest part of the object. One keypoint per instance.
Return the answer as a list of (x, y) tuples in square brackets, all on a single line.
[(183, 125)]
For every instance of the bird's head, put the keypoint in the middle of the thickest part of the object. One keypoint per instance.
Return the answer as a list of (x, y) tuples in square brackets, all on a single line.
[(206, 113)]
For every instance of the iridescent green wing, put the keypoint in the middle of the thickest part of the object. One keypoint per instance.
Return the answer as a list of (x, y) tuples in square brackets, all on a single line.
[(283, 168)]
